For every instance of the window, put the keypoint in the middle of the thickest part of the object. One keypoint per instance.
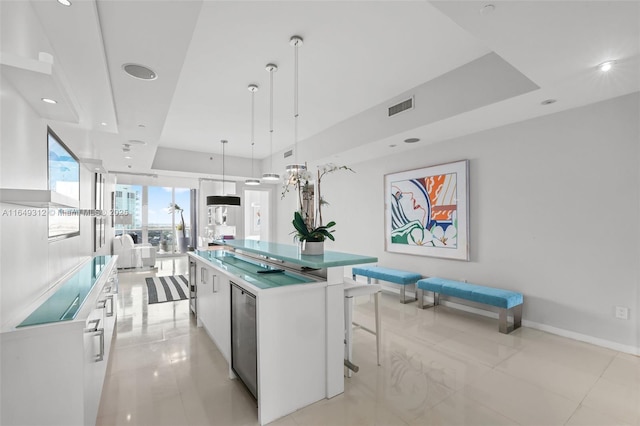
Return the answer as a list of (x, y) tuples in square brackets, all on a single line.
[(150, 219), (129, 198), (64, 178)]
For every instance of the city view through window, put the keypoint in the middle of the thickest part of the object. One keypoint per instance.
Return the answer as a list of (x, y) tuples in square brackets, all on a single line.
[(151, 218)]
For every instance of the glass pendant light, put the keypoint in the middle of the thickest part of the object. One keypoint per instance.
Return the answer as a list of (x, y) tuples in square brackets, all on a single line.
[(271, 68), (223, 200), (253, 88), (296, 42)]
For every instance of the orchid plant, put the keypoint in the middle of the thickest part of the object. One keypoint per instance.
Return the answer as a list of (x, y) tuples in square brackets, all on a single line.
[(301, 182)]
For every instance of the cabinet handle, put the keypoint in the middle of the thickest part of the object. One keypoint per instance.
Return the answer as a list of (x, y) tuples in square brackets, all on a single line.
[(100, 333), (102, 304), (95, 323), (107, 289), (97, 332), (110, 299), (213, 287)]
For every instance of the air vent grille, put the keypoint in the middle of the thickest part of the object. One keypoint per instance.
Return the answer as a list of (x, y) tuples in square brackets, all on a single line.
[(401, 107), (288, 153)]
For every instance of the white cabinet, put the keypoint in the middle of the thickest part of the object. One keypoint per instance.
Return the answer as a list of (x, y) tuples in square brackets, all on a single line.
[(221, 327), (205, 296), (53, 372), (213, 305)]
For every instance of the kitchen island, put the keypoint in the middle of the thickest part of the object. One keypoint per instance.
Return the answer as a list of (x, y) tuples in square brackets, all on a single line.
[(298, 306)]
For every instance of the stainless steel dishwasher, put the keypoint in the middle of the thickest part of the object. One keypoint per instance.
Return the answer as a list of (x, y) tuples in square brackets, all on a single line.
[(244, 349)]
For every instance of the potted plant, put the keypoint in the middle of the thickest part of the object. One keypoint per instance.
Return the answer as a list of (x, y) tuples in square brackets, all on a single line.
[(312, 239), (183, 241), (309, 228)]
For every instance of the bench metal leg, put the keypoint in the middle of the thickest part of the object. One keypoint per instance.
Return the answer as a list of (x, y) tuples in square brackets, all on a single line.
[(503, 319), (421, 304), (403, 299), (517, 316), (503, 325)]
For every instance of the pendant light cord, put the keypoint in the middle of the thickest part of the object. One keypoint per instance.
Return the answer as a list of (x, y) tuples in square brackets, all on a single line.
[(253, 142), (295, 102), (271, 115), (295, 168)]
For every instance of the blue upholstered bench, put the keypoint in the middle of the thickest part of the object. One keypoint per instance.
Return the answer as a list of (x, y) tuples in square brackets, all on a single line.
[(508, 302), (396, 276)]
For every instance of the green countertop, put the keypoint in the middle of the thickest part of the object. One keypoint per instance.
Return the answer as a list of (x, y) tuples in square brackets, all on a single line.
[(291, 253), (247, 269), (65, 303)]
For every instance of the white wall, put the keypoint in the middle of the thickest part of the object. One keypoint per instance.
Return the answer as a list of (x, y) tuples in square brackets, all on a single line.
[(29, 262), (554, 210)]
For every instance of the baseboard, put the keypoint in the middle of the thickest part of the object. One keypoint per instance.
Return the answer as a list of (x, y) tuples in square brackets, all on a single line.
[(532, 324), (583, 337)]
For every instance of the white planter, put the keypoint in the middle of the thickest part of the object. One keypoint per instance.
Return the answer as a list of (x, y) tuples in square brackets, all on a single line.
[(183, 242), (312, 248)]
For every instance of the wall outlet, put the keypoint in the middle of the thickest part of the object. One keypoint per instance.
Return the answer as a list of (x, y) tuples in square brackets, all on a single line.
[(622, 312)]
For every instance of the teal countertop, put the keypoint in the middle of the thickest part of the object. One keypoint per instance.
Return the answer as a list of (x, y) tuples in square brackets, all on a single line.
[(65, 303), (291, 253), (247, 269)]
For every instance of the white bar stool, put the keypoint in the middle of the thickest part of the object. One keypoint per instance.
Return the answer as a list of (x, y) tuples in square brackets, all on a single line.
[(351, 290)]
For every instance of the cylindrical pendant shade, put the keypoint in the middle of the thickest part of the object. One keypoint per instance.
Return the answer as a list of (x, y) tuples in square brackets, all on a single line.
[(223, 200)]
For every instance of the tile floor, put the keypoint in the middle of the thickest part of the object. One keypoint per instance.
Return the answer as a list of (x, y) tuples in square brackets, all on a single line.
[(439, 367)]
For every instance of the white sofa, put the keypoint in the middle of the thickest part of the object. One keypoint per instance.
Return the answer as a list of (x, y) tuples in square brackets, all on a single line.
[(132, 255)]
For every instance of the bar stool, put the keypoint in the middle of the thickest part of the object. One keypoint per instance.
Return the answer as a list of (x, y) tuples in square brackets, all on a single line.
[(351, 290)]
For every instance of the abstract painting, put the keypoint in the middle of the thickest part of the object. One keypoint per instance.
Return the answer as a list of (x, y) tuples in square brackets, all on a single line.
[(426, 211)]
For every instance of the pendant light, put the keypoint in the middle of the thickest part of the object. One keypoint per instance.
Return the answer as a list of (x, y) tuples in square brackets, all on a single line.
[(223, 200), (253, 88), (296, 42), (271, 68)]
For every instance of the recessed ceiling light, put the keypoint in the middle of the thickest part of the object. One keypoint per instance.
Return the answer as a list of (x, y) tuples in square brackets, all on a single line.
[(96, 169), (64, 2), (136, 142), (49, 101), (548, 102), (128, 157), (606, 66), (103, 124), (487, 9), (412, 140), (129, 166), (139, 71)]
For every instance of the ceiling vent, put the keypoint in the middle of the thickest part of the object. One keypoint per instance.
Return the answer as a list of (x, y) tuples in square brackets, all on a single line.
[(288, 153), (401, 107)]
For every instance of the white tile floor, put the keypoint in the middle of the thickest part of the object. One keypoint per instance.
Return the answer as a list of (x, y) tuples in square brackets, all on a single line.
[(439, 367)]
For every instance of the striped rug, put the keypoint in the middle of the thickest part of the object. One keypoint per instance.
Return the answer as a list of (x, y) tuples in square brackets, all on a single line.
[(167, 289)]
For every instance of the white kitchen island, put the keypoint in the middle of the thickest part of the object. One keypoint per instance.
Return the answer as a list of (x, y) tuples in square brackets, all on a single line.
[(299, 318)]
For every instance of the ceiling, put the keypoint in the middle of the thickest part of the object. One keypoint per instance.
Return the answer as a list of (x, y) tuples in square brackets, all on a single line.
[(468, 67)]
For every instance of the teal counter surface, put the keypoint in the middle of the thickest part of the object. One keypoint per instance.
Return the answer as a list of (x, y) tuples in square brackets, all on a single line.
[(291, 253), (65, 303), (248, 270)]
